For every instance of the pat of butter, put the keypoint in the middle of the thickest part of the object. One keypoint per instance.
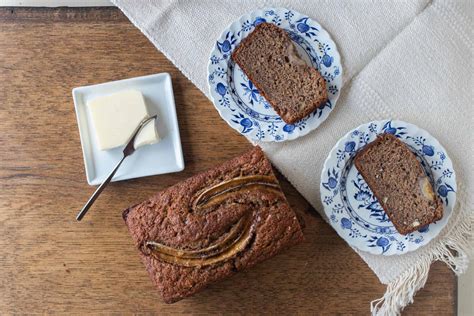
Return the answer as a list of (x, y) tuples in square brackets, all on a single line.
[(116, 116)]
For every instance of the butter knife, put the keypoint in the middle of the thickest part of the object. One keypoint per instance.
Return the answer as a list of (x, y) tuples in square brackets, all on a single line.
[(127, 151)]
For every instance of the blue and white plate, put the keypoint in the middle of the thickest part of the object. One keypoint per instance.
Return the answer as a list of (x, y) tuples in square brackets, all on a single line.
[(238, 101), (353, 210)]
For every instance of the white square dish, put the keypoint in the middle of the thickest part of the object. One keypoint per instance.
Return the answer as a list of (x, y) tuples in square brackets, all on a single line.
[(166, 156)]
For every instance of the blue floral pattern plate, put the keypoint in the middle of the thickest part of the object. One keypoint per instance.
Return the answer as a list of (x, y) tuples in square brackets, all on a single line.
[(350, 205), (238, 101)]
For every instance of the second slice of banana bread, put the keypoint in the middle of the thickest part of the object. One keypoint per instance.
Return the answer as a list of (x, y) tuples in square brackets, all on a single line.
[(399, 182)]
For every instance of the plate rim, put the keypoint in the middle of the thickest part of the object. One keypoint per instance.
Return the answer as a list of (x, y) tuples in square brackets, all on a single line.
[(330, 157), (238, 21)]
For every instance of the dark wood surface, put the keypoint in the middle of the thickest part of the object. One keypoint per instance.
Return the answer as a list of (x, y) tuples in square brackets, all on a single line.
[(49, 263)]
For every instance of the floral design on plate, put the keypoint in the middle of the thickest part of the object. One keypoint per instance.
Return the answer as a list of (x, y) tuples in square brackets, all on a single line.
[(237, 99), (352, 208)]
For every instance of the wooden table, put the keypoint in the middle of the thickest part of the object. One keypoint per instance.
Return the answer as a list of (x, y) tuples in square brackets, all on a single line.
[(49, 263)]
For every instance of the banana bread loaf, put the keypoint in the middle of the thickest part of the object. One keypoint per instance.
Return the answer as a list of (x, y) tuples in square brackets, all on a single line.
[(212, 225)]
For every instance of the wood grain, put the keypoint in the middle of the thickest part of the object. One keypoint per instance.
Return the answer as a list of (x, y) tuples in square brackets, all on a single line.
[(51, 264)]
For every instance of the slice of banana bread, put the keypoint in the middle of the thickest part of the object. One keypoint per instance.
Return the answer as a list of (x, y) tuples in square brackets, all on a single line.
[(269, 59), (399, 183), (212, 225)]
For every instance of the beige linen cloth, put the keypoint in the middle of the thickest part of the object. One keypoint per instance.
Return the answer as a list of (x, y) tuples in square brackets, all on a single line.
[(407, 60)]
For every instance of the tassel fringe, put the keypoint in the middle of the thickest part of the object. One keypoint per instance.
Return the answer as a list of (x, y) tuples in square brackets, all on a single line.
[(453, 249)]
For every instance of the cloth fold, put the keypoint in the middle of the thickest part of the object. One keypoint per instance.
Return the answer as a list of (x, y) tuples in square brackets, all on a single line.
[(407, 60)]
